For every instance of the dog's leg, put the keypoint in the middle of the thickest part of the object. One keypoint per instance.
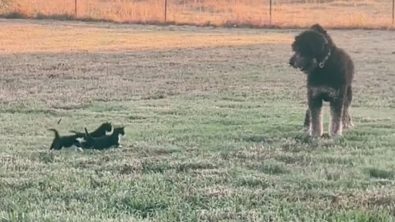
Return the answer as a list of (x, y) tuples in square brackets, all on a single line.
[(337, 108), (306, 124), (347, 121), (315, 107)]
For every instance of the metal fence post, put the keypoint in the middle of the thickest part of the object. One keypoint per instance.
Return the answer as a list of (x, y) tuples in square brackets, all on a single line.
[(393, 9), (165, 11), (75, 8), (270, 12)]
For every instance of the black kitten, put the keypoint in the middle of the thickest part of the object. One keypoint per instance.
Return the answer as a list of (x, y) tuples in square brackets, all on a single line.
[(64, 141), (101, 131), (106, 141)]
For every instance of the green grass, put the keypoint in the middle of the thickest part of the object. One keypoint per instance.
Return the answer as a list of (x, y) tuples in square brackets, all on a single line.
[(212, 134)]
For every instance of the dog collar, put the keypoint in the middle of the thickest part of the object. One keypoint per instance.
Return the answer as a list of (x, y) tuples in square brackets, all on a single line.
[(322, 63)]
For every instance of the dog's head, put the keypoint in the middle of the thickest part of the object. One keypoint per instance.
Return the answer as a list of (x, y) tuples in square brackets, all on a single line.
[(311, 49)]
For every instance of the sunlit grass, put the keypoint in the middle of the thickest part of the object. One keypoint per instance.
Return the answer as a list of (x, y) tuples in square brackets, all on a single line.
[(22, 37), (286, 13)]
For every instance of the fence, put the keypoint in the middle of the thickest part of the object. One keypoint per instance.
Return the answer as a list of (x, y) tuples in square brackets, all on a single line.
[(330, 13)]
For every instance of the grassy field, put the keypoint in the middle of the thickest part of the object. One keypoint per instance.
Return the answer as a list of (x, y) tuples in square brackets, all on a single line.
[(285, 13), (213, 119)]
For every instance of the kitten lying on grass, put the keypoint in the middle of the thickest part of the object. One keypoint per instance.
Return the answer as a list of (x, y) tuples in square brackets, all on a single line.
[(104, 142)]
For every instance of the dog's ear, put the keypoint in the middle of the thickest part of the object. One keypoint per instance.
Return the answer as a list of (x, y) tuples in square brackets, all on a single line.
[(317, 43), (318, 28), (324, 40)]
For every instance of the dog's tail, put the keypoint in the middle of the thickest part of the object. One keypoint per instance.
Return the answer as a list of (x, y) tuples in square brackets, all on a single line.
[(56, 133)]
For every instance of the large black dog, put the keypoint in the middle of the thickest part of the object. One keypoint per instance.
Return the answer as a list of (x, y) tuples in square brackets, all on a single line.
[(330, 72)]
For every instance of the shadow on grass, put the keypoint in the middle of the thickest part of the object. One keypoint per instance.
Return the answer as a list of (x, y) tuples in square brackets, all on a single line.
[(381, 174), (144, 209), (161, 167)]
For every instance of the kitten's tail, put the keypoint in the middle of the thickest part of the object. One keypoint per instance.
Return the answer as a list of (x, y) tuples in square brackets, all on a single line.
[(56, 133), (86, 133), (56, 138)]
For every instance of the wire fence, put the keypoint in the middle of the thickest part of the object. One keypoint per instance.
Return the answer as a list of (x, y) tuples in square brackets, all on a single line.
[(286, 13)]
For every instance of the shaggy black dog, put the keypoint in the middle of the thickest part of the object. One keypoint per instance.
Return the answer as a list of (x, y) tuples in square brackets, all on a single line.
[(330, 72)]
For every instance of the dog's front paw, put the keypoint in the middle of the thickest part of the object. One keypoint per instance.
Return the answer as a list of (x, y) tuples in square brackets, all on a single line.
[(348, 125), (315, 134), (347, 121), (336, 132), (337, 136), (325, 136), (305, 130)]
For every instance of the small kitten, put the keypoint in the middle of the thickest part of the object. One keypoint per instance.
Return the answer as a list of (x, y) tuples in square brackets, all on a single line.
[(106, 141)]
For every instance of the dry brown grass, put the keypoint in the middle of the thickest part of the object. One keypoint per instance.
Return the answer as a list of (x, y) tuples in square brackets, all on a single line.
[(28, 37), (285, 13)]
